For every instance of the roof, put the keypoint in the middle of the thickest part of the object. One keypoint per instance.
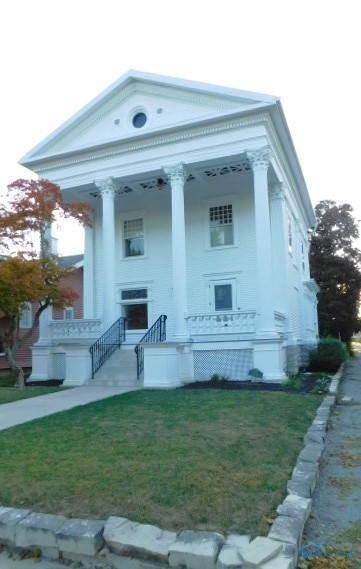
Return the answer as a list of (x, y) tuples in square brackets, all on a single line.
[(71, 261)]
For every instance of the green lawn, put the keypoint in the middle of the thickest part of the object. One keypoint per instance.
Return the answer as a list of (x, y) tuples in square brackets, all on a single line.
[(10, 394), (207, 459)]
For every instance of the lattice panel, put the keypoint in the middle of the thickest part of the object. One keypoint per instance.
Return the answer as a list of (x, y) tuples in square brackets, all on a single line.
[(59, 366), (232, 364)]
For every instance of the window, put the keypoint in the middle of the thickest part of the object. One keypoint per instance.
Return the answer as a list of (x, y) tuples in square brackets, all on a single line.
[(303, 262), (26, 316), (68, 313), (290, 244), (135, 308), (223, 294), (223, 297), (221, 225), (133, 237), (139, 120)]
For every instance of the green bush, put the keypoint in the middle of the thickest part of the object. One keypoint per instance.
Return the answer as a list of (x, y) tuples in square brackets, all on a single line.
[(328, 356)]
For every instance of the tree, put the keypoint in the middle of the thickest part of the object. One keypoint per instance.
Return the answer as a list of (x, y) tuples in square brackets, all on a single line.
[(29, 272), (335, 265)]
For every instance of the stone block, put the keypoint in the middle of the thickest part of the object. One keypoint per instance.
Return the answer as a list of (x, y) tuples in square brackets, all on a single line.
[(260, 550), (295, 507), (280, 562), (141, 540), (240, 541), (9, 519), (299, 488), (311, 452), (84, 537), (287, 529), (306, 472), (114, 561), (329, 401), (229, 558), (317, 437), (38, 531), (196, 550)]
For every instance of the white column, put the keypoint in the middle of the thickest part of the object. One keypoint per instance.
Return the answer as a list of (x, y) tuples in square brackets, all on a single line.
[(107, 189), (177, 177), (259, 161), (280, 253), (88, 280)]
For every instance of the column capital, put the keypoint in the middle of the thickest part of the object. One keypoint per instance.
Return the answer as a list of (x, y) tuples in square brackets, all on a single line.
[(176, 172), (259, 159), (106, 186), (278, 191)]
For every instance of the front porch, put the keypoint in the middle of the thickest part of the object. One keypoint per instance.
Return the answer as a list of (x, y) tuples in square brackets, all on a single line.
[(226, 343)]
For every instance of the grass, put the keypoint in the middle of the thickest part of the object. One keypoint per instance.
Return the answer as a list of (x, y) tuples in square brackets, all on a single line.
[(180, 459), (10, 393)]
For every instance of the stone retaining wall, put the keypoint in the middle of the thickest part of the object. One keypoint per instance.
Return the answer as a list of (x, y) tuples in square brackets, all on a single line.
[(119, 543)]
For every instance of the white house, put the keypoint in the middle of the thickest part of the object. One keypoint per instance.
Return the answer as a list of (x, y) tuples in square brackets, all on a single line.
[(202, 215)]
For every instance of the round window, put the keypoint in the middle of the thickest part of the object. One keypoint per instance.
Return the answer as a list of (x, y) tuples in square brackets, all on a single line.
[(139, 120)]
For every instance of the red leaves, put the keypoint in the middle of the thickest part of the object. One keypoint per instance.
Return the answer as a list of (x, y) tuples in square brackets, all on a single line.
[(31, 206)]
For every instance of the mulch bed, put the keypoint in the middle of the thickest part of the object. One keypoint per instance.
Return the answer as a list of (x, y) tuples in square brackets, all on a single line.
[(307, 385), (47, 383)]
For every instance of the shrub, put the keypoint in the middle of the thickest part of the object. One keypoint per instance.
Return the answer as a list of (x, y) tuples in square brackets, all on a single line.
[(328, 356)]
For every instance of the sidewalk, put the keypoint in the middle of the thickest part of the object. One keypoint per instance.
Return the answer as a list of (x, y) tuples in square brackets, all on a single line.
[(26, 410), (335, 519)]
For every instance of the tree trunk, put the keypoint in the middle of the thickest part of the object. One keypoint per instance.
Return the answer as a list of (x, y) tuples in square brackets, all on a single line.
[(15, 368)]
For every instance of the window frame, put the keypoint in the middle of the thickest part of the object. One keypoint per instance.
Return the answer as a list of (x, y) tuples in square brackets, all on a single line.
[(68, 309), (25, 324), (213, 280), (133, 301), (132, 217), (221, 201)]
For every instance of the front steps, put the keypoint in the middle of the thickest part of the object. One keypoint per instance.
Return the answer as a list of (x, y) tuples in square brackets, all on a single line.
[(119, 370)]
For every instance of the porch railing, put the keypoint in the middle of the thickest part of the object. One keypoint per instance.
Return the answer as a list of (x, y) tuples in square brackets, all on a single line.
[(157, 333), (230, 322), (75, 329), (103, 348)]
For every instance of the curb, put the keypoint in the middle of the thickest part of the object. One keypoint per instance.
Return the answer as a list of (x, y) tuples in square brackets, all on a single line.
[(119, 543)]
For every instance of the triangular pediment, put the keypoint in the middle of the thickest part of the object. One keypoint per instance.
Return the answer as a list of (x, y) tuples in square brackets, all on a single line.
[(141, 104)]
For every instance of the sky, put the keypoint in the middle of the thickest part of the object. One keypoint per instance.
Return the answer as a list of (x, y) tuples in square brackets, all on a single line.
[(57, 56)]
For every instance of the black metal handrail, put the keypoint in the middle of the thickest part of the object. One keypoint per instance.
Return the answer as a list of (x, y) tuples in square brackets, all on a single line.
[(103, 348), (156, 333)]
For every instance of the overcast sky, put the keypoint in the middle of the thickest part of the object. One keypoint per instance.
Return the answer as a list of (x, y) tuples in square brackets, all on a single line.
[(56, 56)]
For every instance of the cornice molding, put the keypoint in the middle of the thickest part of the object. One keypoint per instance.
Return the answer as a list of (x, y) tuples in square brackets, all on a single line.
[(157, 139)]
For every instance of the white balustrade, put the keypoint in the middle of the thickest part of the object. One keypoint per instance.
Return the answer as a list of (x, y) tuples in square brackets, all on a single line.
[(75, 329), (222, 323)]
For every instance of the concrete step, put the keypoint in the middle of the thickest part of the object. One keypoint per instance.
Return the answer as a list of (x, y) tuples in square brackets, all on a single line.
[(119, 370)]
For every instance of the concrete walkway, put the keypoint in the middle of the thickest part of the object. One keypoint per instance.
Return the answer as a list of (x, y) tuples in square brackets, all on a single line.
[(26, 410), (335, 520)]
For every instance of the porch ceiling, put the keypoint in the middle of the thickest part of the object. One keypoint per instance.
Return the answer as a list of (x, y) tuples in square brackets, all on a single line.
[(200, 175)]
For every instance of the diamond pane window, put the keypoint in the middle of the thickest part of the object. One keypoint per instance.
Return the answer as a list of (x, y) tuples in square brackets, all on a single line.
[(221, 225), (133, 238), (135, 294)]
